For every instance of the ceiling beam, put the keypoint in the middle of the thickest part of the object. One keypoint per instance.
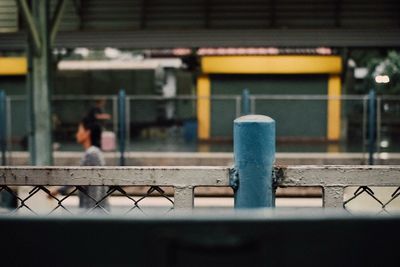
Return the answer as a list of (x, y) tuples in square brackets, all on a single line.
[(56, 19), (32, 27), (216, 38)]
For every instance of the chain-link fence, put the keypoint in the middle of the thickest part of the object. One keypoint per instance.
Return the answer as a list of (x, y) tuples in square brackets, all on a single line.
[(357, 188), (42, 200), (127, 190), (380, 200), (106, 190)]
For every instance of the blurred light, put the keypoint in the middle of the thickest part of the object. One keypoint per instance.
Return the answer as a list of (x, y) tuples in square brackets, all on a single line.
[(84, 52), (208, 51), (360, 73), (181, 51), (386, 107), (382, 79), (351, 63), (384, 155), (61, 51), (323, 51), (384, 143), (111, 52), (66, 65)]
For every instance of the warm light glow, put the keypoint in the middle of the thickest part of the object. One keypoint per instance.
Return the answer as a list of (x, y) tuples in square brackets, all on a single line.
[(382, 79)]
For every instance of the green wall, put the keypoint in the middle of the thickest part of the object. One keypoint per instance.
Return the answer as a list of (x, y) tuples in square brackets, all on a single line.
[(295, 119), (15, 86), (104, 82)]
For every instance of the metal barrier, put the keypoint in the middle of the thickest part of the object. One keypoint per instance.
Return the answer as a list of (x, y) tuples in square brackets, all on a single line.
[(182, 179), (333, 179), (253, 104)]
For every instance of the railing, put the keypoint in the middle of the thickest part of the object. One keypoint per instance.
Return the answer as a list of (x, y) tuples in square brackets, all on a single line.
[(257, 103), (182, 179), (334, 180)]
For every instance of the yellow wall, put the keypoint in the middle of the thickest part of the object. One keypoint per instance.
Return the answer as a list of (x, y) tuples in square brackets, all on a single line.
[(334, 91), (331, 65), (203, 107), (13, 66), (271, 64)]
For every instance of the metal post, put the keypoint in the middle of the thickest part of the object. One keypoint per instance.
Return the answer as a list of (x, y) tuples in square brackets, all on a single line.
[(371, 126), (127, 121), (364, 128), (254, 150), (4, 196), (115, 113), (378, 125), (39, 72), (9, 130), (3, 127), (121, 125), (238, 108), (245, 102), (252, 105)]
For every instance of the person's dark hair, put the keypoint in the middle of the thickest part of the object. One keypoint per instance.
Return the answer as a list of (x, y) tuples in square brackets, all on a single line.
[(95, 131)]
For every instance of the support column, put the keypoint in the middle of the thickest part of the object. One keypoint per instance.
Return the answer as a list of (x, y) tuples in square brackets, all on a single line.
[(39, 88), (183, 198), (333, 197), (203, 107), (334, 106)]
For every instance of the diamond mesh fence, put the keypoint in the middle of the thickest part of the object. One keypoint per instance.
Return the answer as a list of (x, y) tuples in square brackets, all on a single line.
[(42, 200), (380, 200)]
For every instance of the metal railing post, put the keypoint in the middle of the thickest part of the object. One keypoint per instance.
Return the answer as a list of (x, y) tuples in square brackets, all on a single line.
[(378, 126), (238, 107), (254, 150), (8, 130), (121, 126), (115, 114), (371, 126), (253, 105), (3, 127), (245, 102), (364, 127), (127, 121)]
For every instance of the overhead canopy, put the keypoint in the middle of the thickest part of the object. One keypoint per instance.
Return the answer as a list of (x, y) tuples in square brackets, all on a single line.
[(205, 23)]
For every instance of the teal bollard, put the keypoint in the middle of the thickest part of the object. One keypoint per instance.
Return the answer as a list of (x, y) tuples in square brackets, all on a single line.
[(254, 150)]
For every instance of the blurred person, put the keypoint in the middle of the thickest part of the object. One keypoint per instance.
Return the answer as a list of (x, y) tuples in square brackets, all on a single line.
[(89, 136), (97, 113)]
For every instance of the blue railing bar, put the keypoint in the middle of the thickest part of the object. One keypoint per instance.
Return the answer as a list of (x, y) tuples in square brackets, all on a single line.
[(245, 102), (371, 126), (121, 125), (216, 97)]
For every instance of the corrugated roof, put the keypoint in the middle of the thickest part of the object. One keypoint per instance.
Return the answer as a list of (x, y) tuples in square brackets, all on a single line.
[(219, 23), (230, 14), (8, 16), (215, 38)]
